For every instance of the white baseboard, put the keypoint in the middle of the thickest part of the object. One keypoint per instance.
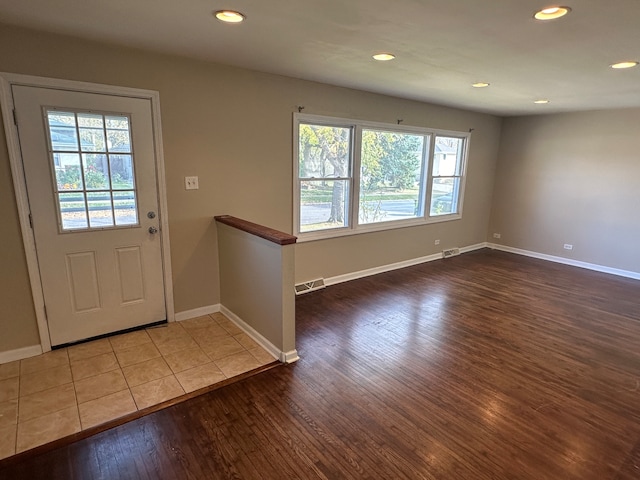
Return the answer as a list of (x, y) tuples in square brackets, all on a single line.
[(20, 353), (472, 248), (567, 261), (289, 357), (197, 312), (395, 266), (285, 357)]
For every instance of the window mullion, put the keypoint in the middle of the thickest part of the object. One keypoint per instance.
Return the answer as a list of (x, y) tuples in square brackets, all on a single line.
[(107, 155), (426, 165), (429, 176), (83, 178), (355, 177)]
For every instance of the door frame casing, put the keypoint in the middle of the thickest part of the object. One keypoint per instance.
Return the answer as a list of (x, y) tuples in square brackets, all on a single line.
[(7, 80)]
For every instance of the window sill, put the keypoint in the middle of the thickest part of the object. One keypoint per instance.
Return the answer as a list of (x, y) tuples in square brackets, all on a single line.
[(371, 228)]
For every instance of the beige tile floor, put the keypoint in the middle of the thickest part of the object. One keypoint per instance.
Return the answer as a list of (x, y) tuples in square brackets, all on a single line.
[(65, 391)]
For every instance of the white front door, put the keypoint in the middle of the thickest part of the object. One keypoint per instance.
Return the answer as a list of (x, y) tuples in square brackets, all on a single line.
[(90, 172)]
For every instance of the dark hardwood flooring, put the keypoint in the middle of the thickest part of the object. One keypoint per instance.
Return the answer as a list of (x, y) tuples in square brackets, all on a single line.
[(482, 366)]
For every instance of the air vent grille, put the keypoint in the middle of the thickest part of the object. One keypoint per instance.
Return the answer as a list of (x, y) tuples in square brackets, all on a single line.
[(307, 287), (451, 252)]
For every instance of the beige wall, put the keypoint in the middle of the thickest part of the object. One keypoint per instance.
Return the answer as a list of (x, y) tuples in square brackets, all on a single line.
[(232, 128), (571, 178)]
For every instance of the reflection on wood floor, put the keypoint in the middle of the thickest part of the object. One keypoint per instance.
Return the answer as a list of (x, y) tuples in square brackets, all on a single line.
[(482, 366)]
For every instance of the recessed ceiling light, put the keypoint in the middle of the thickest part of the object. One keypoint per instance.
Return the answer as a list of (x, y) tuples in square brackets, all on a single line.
[(480, 84), (541, 101), (551, 13), (229, 16), (620, 65), (384, 57)]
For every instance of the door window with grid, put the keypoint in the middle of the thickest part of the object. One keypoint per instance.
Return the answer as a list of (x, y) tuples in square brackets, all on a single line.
[(93, 169)]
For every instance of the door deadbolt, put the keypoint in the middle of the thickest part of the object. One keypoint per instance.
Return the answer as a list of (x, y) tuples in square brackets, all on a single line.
[(151, 215)]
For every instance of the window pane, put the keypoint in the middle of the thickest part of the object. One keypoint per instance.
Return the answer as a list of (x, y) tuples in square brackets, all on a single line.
[(444, 196), (124, 204), (100, 209), (121, 172), (116, 122), (390, 176), (91, 132), (118, 139), (72, 210), (324, 152), (324, 204), (447, 157), (62, 131), (96, 172), (68, 173)]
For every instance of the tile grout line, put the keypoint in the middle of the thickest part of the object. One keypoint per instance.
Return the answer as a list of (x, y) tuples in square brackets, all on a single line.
[(122, 371), (162, 356), (15, 443), (75, 392)]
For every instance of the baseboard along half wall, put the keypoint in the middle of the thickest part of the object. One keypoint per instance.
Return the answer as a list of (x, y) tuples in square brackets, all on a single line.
[(285, 357)]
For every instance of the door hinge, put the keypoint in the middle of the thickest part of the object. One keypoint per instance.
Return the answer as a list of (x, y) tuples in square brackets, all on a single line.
[(15, 118), (31, 221), (46, 317)]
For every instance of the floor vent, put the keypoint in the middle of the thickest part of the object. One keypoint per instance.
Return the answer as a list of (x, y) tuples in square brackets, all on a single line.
[(451, 252), (307, 287)]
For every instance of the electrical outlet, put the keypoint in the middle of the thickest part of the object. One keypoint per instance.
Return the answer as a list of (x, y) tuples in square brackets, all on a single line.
[(496, 235), (437, 242), (568, 246), (191, 183)]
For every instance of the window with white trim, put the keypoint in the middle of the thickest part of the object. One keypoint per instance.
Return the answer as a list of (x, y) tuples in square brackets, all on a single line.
[(354, 176), (446, 175), (324, 172)]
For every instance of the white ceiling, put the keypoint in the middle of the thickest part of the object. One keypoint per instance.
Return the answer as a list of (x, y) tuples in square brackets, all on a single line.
[(441, 46)]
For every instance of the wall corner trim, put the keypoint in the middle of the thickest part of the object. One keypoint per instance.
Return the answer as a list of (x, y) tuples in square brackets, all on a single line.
[(566, 261)]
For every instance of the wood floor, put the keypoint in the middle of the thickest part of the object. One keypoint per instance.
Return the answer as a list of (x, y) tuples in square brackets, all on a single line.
[(482, 366)]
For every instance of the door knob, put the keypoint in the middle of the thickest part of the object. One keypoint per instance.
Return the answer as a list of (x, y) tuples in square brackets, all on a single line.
[(153, 230)]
